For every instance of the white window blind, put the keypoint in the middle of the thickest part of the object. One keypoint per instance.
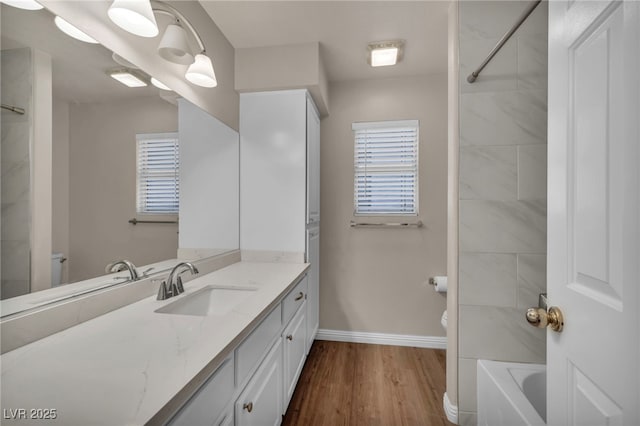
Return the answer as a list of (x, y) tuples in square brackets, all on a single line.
[(386, 168), (158, 186)]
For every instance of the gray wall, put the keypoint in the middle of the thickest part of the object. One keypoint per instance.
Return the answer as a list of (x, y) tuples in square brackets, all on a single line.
[(502, 190), (102, 181), (375, 280)]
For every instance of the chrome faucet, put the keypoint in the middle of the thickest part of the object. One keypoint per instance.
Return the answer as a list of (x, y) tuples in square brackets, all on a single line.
[(173, 285), (121, 265)]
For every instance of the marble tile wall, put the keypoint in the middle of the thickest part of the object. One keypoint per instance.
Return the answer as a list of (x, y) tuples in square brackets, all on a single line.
[(15, 173), (502, 189)]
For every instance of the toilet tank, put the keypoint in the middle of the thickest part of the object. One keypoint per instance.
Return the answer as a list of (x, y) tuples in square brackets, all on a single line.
[(56, 268)]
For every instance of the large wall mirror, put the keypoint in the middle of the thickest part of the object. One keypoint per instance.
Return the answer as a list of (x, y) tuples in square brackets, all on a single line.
[(96, 123)]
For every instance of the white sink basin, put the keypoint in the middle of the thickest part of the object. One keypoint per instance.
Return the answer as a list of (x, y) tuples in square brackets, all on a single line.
[(210, 300)]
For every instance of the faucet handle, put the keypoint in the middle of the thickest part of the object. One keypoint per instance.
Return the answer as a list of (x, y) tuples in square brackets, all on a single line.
[(162, 291), (179, 285)]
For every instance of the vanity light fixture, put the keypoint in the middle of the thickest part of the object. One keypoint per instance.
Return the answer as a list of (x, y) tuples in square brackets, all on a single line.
[(134, 16), (385, 53), (160, 85), (174, 45), (73, 31), (201, 72), (127, 77), (23, 4)]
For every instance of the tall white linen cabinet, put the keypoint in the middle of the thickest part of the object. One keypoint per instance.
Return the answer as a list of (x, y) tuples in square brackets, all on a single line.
[(280, 184)]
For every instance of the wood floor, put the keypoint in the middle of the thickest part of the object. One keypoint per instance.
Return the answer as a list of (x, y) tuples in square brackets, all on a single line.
[(372, 385)]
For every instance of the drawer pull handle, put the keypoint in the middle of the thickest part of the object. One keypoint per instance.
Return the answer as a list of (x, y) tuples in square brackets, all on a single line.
[(299, 296), (289, 337), (248, 407)]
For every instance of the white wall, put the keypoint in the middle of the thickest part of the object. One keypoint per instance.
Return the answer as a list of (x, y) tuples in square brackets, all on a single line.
[(102, 186), (502, 224), (209, 181), (375, 280)]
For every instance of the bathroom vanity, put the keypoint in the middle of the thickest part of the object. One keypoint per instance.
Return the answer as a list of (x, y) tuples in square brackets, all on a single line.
[(229, 350)]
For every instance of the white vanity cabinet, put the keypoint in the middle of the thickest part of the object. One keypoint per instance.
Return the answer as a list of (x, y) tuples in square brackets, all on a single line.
[(294, 341), (313, 293), (280, 182), (206, 407), (254, 384), (260, 403)]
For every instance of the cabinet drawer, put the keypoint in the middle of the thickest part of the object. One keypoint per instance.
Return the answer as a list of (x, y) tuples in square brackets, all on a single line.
[(294, 300), (210, 400), (253, 348)]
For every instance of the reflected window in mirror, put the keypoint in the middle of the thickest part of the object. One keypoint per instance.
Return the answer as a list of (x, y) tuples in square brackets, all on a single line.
[(158, 183)]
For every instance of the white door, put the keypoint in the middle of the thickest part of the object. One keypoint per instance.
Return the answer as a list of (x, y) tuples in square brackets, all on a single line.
[(593, 213)]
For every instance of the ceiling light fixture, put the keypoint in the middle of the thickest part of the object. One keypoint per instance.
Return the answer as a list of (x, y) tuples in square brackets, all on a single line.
[(23, 4), (127, 77), (73, 31), (174, 45), (160, 85), (385, 53), (134, 16)]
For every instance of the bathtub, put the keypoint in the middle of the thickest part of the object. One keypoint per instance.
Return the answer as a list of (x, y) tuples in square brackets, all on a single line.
[(511, 394)]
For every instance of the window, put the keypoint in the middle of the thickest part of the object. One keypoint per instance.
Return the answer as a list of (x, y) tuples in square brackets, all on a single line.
[(386, 168), (158, 187)]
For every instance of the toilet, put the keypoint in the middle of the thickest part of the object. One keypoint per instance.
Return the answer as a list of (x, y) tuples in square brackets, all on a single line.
[(56, 268)]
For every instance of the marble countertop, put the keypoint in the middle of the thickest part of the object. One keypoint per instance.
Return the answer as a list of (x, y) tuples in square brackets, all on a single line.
[(124, 367), (30, 301)]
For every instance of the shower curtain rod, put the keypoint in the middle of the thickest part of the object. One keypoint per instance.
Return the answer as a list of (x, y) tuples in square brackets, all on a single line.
[(15, 109), (472, 77)]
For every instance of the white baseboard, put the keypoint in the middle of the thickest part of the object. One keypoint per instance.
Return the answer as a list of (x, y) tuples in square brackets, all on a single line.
[(433, 342), (450, 410)]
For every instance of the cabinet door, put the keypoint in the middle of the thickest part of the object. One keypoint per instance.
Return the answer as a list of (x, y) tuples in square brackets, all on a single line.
[(313, 285), (313, 164), (227, 420), (260, 403), (209, 401), (294, 340), (273, 171)]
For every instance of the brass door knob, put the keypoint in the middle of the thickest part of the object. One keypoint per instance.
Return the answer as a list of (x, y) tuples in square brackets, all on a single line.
[(248, 407), (289, 337), (540, 318)]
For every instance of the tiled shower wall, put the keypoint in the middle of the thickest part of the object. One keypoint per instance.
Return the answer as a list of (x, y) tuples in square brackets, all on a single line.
[(16, 173), (502, 225)]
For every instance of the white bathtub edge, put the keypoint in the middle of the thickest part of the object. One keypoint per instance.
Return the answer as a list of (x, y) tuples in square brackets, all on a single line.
[(450, 410), (497, 372)]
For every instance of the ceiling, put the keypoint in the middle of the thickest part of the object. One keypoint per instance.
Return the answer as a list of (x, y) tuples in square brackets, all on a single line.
[(343, 28)]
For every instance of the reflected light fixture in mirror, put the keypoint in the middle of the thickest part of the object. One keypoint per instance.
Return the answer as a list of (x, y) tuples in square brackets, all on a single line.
[(23, 4), (160, 85), (122, 61), (127, 78), (73, 31), (174, 46), (134, 16)]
